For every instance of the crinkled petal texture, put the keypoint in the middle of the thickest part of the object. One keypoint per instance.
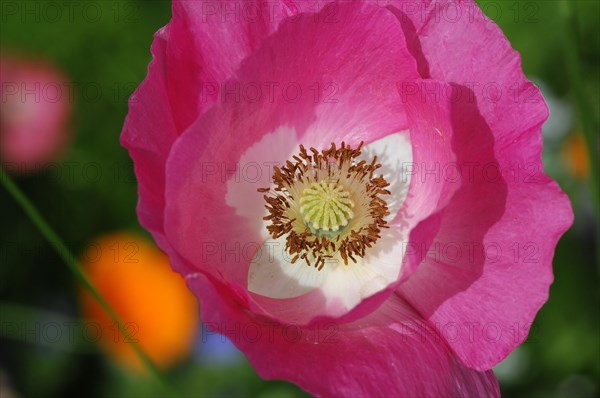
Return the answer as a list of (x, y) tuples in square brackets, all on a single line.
[(507, 216), (391, 352), (227, 99)]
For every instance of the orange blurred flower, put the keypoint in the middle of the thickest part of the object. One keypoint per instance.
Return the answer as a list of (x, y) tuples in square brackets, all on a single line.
[(575, 155), (153, 301)]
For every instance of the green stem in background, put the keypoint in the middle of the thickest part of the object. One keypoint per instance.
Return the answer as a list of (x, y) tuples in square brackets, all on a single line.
[(69, 259), (584, 105)]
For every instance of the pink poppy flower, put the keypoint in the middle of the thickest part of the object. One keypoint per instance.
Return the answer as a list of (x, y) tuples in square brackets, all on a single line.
[(409, 274), (35, 114)]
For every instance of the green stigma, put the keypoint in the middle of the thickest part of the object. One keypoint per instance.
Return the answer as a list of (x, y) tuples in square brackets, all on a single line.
[(326, 207)]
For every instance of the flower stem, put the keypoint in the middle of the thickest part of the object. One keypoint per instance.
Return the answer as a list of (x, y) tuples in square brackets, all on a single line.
[(69, 259)]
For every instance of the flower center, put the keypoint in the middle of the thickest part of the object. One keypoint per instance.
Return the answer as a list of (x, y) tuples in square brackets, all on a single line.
[(325, 207), (327, 204)]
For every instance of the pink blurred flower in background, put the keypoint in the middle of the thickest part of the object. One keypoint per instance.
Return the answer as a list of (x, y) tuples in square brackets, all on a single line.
[(34, 124), (412, 273)]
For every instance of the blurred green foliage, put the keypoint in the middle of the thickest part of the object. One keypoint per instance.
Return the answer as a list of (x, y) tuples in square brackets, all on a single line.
[(107, 56)]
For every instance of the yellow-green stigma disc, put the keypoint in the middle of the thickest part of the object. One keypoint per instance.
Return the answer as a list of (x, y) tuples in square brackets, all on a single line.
[(326, 207)]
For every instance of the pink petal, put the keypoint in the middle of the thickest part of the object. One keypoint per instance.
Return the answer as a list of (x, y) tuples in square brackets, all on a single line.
[(392, 352), (492, 301), (148, 134), (208, 40), (188, 68)]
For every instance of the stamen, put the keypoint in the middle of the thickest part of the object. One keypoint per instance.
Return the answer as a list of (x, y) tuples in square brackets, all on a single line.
[(326, 206)]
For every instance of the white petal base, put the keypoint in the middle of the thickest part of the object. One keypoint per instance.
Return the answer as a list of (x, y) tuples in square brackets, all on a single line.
[(271, 272)]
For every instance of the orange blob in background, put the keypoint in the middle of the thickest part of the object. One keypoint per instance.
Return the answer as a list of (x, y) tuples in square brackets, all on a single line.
[(154, 302), (575, 155)]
